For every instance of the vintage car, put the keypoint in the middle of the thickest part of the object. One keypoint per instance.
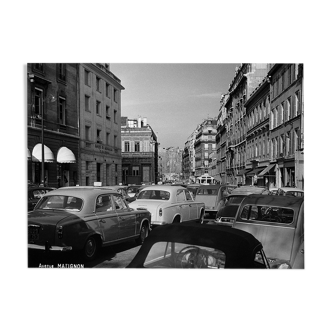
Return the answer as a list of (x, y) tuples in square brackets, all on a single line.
[(35, 194), (199, 246), (193, 187), (133, 190), (278, 223), (226, 214), (76, 218), (169, 204), (213, 196), (290, 191)]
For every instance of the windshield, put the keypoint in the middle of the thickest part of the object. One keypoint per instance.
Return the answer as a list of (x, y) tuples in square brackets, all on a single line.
[(60, 202), (154, 194), (182, 255)]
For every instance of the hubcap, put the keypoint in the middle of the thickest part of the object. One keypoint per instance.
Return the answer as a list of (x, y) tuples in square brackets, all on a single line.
[(90, 248)]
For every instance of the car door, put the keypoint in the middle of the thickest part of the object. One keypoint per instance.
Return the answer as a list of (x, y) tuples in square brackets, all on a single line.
[(107, 218), (126, 217), (183, 205), (193, 206)]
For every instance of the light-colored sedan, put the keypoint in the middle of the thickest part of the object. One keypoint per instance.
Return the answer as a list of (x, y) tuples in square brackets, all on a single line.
[(290, 191), (169, 204)]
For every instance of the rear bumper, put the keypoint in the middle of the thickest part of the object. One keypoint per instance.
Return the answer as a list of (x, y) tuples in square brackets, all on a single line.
[(48, 247)]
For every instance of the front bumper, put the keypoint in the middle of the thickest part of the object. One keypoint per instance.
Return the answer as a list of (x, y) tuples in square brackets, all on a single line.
[(47, 247)]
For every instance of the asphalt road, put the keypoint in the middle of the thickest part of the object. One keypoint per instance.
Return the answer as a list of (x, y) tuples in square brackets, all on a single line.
[(115, 256)]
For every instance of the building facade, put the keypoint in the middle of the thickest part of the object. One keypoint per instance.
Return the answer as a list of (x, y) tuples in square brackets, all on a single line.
[(52, 122), (258, 170), (286, 123), (188, 158), (100, 125), (247, 78), (140, 162), (205, 144)]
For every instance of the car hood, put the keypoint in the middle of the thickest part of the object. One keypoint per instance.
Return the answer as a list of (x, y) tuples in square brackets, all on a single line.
[(41, 217)]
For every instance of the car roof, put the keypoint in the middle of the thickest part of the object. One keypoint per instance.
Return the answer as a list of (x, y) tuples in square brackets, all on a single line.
[(246, 190), (85, 191), (274, 200), (237, 244), (291, 189)]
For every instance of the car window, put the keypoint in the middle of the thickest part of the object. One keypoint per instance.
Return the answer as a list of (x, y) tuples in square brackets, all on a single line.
[(104, 203), (205, 191), (180, 196), (119, 202), (189, 196), (154, 194), (267, 213), (234, 199), (60, 202), (183, 255)]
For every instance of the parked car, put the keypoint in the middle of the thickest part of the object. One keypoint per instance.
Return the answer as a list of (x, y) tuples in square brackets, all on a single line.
[(199, 246), (278, 223), (290, 191), (84, 219), (213, 196), (169, 204), (226, 214), (35, 194)]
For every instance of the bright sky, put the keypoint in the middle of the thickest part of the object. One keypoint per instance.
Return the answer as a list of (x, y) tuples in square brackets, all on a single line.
[(174, 97)]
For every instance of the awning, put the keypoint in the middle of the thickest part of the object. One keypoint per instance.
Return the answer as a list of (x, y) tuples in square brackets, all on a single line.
[(37, 154), (65, 155), (266, 170), (242, 171), (255, 171), (29, 155)]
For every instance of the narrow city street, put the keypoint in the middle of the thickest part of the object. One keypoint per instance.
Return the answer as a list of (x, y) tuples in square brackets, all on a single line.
[(116, 256)]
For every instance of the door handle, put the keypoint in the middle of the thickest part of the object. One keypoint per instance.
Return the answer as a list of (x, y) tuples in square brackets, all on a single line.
[(102, 220)]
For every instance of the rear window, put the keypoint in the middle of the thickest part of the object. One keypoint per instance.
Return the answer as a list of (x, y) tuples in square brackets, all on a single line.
[(206, 191), (154, 194), (60, 202), (271, 214)]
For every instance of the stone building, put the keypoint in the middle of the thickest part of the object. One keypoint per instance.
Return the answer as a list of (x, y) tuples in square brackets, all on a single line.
[(139, 152), (286, 123), (52, 122), (188, 158), (100, 125), (205, 143)]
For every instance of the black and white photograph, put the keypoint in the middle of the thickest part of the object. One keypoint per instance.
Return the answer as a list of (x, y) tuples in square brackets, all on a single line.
[(117, 151)]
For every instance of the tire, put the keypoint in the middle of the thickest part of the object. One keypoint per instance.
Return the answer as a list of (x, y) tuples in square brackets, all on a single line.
[(201, 218), (176, 220), (142, 234), (90, 248)]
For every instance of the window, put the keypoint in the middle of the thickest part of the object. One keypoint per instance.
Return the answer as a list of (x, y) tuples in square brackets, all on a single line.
[(206, 146), (115, 96), (135, 170), (108, 135), (98, 82), (136, 146), (38, 101), (62, 110), (98, 103), (87, 77), (99, 136), (119, 203), (87, 165), (39, 66), (108, 112), (87, 133), (281, 113), (297, 103), (126, 146), (61, 68), (115, 140), (267, 214), (87, 103), (287, 109), (115, 116), (108, 90)]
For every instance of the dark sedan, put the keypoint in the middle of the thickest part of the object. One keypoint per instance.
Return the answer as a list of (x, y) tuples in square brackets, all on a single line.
[(75, 218), (199, 246)]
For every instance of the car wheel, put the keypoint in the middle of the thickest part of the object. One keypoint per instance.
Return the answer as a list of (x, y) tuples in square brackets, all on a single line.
[(90, 248), (143, 234), (201, 218)]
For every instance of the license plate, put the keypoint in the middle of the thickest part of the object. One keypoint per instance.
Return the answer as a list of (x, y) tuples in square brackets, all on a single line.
[(33, 233)]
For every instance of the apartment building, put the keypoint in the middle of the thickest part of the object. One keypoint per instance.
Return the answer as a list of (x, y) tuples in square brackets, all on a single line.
[(100, 125)]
